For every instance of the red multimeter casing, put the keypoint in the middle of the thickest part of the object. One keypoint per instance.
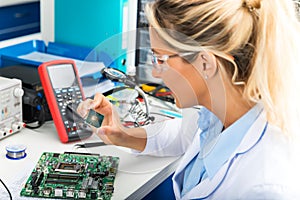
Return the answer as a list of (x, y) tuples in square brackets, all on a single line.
[(62, 88)]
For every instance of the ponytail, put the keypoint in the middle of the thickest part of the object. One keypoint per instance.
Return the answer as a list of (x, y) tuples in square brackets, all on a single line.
[(276, 64)]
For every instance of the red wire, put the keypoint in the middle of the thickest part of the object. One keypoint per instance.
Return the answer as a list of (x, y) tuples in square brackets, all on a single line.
[(160, 94)]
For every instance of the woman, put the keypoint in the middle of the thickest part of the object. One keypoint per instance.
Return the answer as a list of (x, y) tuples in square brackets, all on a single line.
[(238, 59)]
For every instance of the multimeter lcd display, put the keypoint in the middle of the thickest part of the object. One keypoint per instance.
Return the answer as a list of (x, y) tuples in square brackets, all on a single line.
[(62, 76)]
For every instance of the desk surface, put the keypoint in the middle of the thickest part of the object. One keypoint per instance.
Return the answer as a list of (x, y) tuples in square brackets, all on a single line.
[(136, 177)]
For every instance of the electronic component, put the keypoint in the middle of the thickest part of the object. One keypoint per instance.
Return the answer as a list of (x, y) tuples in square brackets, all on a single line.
[(11, 120), (62, 86), (35, 107), (95, 119), (140, 117), (72, 175)]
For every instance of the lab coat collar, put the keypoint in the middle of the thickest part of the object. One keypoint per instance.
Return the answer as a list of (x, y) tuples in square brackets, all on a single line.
[(192, 152), (207, 187), (229, 141), (188, 156)]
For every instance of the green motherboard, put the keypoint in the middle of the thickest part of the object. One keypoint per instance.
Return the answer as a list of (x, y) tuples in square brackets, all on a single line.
[(72, 175)]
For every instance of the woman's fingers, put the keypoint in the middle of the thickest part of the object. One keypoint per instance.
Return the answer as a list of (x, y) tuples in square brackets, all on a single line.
[(99, 104), (84, 107), (101, 132)]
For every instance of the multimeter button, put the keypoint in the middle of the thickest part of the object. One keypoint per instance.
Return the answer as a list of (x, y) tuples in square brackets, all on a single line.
[(59, 100), (74, 128), (58, 95), (68, 129)]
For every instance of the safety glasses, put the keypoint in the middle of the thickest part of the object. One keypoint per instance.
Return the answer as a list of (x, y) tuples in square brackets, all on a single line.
[(159, 60)]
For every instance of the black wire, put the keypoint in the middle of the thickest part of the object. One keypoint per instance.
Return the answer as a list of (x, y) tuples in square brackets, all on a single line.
[(34, 127), (42, 112), (6, 189), (41, 119)]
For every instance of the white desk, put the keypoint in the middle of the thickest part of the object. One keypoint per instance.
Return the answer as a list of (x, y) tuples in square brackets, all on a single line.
[(136, 177)]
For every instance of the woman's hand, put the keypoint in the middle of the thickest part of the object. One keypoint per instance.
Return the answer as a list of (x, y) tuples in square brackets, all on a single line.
[(111, 130)]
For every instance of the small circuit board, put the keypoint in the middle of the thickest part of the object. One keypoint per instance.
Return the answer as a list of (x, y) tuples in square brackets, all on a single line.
[(72, 175)]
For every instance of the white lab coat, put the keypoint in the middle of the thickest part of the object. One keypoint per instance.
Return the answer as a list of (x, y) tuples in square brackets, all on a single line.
[(262, 167)]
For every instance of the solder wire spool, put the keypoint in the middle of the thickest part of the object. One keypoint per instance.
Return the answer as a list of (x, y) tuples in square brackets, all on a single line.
[(15, 152)]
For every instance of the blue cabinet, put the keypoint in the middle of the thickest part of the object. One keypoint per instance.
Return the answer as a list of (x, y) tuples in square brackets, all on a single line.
[(18, 20)]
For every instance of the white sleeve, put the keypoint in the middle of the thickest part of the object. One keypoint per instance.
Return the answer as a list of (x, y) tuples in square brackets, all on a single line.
[(271, 191), (171, 137)]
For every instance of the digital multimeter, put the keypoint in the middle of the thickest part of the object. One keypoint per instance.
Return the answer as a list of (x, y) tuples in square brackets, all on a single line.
[(62, 88)]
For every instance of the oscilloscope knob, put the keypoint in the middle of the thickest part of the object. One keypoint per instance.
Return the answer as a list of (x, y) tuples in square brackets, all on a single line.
[(18, 92)]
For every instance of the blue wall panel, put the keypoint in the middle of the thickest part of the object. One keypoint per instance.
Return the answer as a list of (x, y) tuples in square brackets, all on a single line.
[(92, 23)]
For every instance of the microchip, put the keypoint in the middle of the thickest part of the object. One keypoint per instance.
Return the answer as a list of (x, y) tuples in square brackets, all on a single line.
[(95, 119)]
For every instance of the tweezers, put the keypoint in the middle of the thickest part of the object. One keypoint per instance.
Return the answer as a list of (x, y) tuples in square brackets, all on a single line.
[(91, 144)]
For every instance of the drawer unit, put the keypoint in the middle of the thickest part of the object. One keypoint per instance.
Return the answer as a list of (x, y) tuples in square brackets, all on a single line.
[(18, 20)]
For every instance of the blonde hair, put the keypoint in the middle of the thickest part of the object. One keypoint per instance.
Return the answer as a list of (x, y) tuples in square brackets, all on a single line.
[(263, 36)]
